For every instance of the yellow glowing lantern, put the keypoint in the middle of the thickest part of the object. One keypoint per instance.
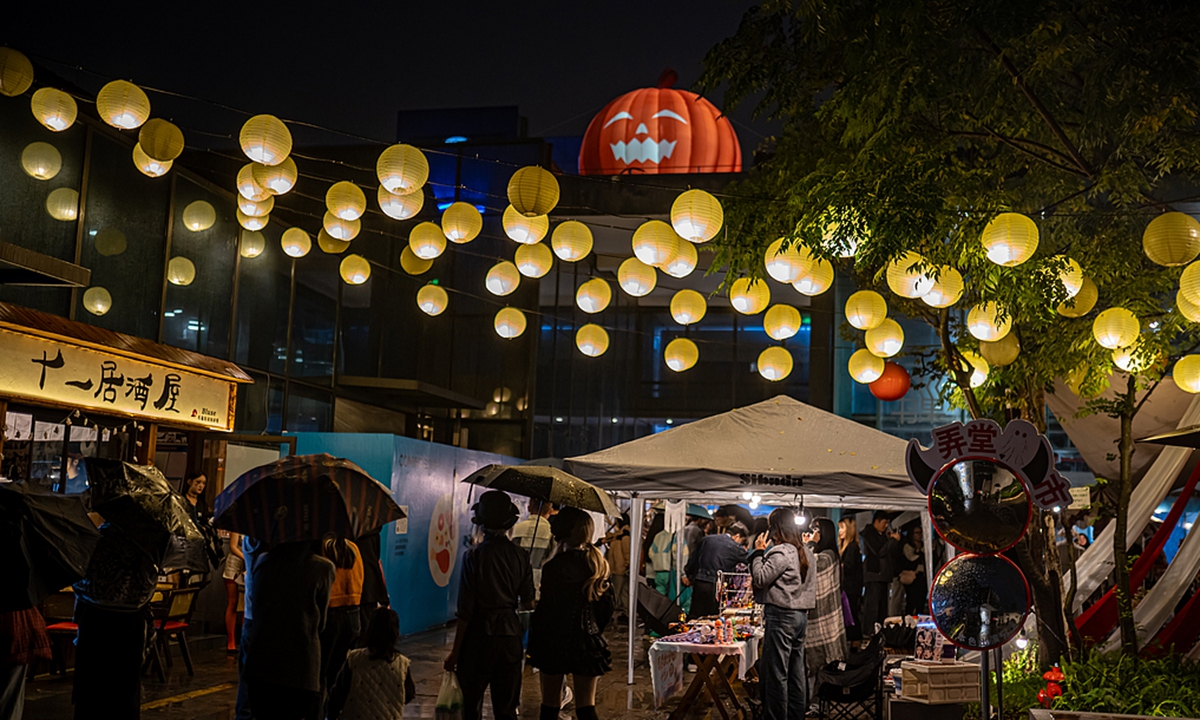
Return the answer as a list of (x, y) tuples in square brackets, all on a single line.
[(846, 247), (681, 354), (63, 204), (276, 179), (696, 216), (110, 242), (1010, 239), (461, 222), (636, 278), (252, 244), (984, 323), (503, 278), (97, 300), (688, 307), (1187, 309), (427, 241), (1083, 301), (1077, 381), (295, 242), (816, 278), (161, 140), (775, 363), (181, 271), (256, 209), (526, 230), (904, 278), (345, 200), (785, 266), (534, 260), (265, 139), (41, 161), (885, 339), (331, 245), (339, 228), (1187, 374), (782, 321), (355, 269), (533, 191), (946, 289), (593, 296), (684, 263), (979, 368), (1189, 283), (1133, 359), (1172, 239), (402, 169), (866, 309), (400, 207), (54, 108), (592, 340), (199, 216), (248, 187), (432, 299), (1116, 328), (251, 222), (865, 367), (749, 297), (571, 241), (655, 243), (1001, 352), (16, 74), (509, 323), (412, 264), (148, 165), (1071, 276), (122, 105)]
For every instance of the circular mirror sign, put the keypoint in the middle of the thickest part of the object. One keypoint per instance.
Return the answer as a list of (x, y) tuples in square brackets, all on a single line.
[(979, 601), (979, 505)]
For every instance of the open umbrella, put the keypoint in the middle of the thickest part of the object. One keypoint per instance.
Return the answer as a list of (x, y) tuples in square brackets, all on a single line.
[(139, 501), (657, 611), (543, 482), (1184, 437), (50, 535), (303, 497)]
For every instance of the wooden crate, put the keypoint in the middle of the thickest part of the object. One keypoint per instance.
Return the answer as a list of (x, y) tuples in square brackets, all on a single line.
[(935, 683)]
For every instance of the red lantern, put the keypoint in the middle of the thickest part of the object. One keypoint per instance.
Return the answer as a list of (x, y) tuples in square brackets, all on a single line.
[(659, 130), (893, 384)]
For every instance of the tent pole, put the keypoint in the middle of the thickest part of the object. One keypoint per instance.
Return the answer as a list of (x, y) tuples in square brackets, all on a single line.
[(927, 532), (637, 512)]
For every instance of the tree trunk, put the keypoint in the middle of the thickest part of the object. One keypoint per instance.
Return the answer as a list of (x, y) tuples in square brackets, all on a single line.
[(1129, 643)]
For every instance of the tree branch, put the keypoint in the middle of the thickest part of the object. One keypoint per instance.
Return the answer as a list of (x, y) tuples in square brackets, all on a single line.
[(1011, 142), (955, 362)]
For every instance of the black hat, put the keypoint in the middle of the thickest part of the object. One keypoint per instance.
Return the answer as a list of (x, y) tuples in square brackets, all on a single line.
[(563, 524), (494, 511)]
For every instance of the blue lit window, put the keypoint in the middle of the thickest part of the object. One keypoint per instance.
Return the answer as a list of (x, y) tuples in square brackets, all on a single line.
[(455, 139)]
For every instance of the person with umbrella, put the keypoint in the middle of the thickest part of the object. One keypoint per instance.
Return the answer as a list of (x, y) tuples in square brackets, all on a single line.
[(23, 636)]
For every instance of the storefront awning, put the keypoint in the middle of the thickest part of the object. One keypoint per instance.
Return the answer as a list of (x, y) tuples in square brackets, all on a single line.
[(413, 393)]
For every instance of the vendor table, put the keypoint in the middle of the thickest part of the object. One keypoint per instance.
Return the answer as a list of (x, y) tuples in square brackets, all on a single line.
[(716, 664)]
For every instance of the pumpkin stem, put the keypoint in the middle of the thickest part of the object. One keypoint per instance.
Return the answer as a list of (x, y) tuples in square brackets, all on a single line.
[(668, 78)]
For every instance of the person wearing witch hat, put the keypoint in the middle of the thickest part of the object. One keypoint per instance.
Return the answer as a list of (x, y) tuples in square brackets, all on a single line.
[(496, 579)]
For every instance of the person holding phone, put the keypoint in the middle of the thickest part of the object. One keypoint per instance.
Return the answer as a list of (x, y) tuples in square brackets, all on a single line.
[(880, 544)]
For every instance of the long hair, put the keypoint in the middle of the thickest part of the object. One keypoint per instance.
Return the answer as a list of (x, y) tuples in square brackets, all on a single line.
[(828, 531), (781, 524), (850, 527), (580, 537), (338, 551), (383, 631)]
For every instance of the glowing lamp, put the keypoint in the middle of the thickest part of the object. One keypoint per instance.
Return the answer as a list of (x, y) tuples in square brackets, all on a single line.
[(525, 230), (54, 108), (265, 139), (684, 263), (979, 368), (866, 309), (339, 228), (1116, 328), (904, 279), (1001, 352), (181, 271), (865, 367), (592, 340), (655, 243), (41, 161), (774, 363), (161, 140), (251, 222), (1010, 239), (503, 278), (256, 209), (412, 264), (749, 297), (402, 169), (97, 300), (199, 216), (432, 299), (1187, 374), (533, 191), (1133, 359), (984, 323), (355, 269), (16, 73), (122, 105), (892, 384), (885, 339), (688, 307), (331, 245), (147, 165), (1172, 239), (593, 296), (697, 216), (1186, 308), (295, 242), (636, 278), (400, 207), (63, 204), (1071, 277), (534, 260), (782, 322), (571, 241), (110, 242), (509, 323), (427, 241), (846, 247), (1083, 301), (276, 179), (252, 244), (681, 354), (345, 200), (946, 289), (1189, 283), (785, 266), (248, 187), (816, 278), (461, 223)]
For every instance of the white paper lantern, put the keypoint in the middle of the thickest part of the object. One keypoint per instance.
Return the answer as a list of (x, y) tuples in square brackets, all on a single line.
[(636, 277), (525, 230), (534, 260), (593, 296)]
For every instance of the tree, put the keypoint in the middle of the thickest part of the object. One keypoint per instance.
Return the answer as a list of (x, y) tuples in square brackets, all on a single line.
[(908, 126)]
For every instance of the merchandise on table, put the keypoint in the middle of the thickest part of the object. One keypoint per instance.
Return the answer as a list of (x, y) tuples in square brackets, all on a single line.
[(708, 631)]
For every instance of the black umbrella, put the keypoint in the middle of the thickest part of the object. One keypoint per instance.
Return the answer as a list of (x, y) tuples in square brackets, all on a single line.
[(657, 611), (544, 482), (1188, 437), (191, 555), (48, 536), (139, 501)]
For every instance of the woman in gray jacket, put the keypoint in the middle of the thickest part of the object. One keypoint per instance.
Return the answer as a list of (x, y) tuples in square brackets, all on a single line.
[(785, 584)]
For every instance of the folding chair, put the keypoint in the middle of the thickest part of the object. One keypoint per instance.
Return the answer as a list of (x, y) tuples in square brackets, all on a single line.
[(853, 688), (172, 616), (58, 610)]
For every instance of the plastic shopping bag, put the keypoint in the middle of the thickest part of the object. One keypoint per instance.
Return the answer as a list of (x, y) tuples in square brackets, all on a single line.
[(449, 699)]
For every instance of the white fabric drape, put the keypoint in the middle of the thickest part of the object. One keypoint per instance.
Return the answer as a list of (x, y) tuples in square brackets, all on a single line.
[(637, 514)]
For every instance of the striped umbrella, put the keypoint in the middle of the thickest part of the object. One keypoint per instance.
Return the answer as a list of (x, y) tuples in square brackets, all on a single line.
[(303, 497)]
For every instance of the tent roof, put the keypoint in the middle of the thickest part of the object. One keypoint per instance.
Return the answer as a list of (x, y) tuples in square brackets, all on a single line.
[(778, 448)]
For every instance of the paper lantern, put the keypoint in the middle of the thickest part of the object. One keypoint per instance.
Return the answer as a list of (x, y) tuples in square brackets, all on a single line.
[(816, 278), (355, 269), (782, 321), (749, 297), (1083, 301), (97, 300), (885, 339), (571, 241), (846, 247), (681, 354), (865, 367), (892, 384), (402, 169), (41, 161), (122, 105), (432, 299), (1187, 373), (461, 222), (1189, 283), (655, 243), (866, 309), (905, 279), (775, 363), (979, 368), (147, 165), (181, 271), (688, 307), (248, 187), (1172, 239), (345, 200), (1133, 359), (400, 207), (636, 278), (684, 263), (534, 260), (946, 289), (110, 242), (199, 216), (526, 230), (697, 216), (331, 245), (295, 242), (592, 340), (251, 222), (276, 179), (16, 73), (984, 323), (1186, 308), (339, 228), (412, 264), (63, 204), (533, 191), (252, 244), (785, 266), (503, 278), (1071, 276), (427, 241), (54, 108), (509, 323), (1116, 328), (1001, 352), (161, 140), (265, 139), (256, 209), (1010, 239)]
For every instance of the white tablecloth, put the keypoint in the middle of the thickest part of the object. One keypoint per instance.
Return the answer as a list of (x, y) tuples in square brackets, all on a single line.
[(666, 663)]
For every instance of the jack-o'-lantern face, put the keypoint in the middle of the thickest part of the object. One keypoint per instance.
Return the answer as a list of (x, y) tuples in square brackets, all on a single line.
[(644, 147)]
